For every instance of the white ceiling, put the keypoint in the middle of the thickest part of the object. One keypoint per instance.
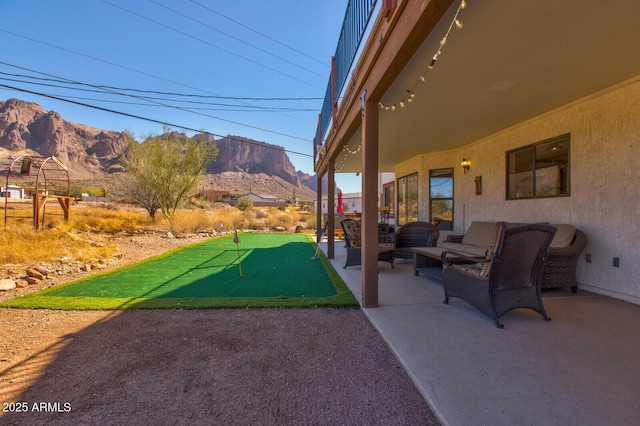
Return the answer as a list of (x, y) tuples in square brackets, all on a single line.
[(511, 61)]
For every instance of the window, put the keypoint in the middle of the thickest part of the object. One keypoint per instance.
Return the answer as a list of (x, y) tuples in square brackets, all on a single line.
[(407, 199), (387, 201), (441, 198), (540, 170)]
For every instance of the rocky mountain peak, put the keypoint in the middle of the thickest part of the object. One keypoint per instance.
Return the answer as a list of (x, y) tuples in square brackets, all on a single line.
[(238, 154), (90, 153)]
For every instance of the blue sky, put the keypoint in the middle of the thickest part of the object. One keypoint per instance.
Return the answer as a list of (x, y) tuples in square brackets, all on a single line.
[(226, 53)]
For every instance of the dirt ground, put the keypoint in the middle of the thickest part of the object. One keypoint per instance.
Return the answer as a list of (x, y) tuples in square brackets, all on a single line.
[(226, 366)]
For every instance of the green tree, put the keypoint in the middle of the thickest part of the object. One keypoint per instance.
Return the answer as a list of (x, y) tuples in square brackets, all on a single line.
[(164, 168), (244, 203)]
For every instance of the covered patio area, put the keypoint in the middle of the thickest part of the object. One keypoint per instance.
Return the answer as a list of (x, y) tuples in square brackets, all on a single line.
[(579, 369)]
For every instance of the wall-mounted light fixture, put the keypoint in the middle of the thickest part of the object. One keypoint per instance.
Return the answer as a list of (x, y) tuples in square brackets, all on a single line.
[(466, 164)]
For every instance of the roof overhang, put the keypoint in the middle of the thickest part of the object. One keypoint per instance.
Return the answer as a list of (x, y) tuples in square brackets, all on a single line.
[(511, 61)]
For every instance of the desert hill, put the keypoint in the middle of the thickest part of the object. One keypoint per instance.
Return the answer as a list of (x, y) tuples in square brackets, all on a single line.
[(91, 155)]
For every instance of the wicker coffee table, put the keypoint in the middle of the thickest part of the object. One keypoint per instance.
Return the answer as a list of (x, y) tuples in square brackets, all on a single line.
[(428, 261)]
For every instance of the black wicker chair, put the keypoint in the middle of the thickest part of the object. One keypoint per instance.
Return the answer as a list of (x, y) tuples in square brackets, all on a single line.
[(414, 234), (560, 268), (508, 278), (353, 239)]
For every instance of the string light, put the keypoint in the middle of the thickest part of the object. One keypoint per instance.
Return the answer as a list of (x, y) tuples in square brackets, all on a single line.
[(347, 151), (410, 92)]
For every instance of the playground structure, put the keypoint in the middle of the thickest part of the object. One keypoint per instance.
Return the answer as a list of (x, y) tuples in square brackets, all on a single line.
[(41, 179)]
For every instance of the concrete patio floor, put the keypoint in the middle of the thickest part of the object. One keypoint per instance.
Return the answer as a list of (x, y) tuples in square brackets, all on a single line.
[(582, 368)]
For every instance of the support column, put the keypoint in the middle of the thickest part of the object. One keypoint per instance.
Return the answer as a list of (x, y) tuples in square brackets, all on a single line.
[(319, 224), (331, 209), (369, 202)]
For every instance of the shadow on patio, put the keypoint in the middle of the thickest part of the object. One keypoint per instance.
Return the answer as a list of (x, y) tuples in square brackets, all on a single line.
[(579, 369)]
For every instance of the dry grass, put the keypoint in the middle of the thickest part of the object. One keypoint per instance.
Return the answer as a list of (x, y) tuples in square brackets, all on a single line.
[(85, 236), (100, 219), (23, 244)]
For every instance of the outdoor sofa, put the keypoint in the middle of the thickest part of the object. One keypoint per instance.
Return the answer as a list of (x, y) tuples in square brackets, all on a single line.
[(561, 263), (414, 234)]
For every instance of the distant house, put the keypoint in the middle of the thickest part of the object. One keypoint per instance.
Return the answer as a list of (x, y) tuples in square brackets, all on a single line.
[(258, 200), (87, 197), (351, 203), (12, 191)]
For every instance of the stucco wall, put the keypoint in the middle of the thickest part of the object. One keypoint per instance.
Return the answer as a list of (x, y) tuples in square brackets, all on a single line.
[(605, 183)]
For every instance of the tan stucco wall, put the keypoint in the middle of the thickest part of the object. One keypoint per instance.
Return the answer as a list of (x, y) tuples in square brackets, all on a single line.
[(605, 183)]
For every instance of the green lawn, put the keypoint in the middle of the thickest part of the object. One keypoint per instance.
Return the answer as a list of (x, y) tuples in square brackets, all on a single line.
[(277, 271)]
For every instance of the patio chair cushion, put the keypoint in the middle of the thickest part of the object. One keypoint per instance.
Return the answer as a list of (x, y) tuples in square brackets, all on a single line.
[(479, 233), (386, 247), (480, 269), (470, 249), (352, 229), (564, 235)]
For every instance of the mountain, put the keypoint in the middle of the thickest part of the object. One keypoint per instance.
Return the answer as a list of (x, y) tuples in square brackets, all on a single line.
[(91, 154), (238, 154), (26, 128)]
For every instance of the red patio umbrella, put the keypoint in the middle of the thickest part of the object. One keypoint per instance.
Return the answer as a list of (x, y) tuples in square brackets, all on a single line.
[(339, 209)]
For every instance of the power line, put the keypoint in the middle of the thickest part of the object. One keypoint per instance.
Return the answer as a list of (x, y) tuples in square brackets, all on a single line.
[(170, 106), (210, 44), (187, 95), (237, 39), (177, 126), (229, 109), (240, 108), (258, 32)]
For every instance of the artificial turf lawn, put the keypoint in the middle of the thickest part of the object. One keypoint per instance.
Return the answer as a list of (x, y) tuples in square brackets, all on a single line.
[(277, 271)]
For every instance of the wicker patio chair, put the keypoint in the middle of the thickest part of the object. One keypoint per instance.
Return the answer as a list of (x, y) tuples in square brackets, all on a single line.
[(414, 234), (353, 239), (560, 268), (508, 278)]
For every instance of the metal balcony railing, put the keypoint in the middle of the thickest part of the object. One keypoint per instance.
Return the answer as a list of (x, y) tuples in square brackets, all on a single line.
[(354, 25)]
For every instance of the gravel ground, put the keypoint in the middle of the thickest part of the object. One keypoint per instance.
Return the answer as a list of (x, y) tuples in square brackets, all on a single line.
[(226, 366)]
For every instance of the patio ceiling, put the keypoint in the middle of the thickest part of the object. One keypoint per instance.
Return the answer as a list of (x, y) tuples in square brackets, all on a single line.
[(511, 61)]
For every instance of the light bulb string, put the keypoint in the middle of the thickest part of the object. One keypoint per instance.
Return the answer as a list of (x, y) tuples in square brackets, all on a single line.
[(455, 22), (410, 92), (347, 150)]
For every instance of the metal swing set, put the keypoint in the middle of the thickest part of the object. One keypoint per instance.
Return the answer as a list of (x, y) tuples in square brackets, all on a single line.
[(40, 179)]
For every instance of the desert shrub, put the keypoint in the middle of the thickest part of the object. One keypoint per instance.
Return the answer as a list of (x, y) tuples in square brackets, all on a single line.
[(191, 220), (228, 217), (199, 203), (279, 219), (247, 220), (261, 213), (310, 222), (107, 220), (244, 203)]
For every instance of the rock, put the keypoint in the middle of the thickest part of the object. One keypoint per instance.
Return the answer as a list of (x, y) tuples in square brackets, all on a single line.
[(298, 229), (21, 283), (7, 284), (170, 234), (33, 280), (42, 269), (280, 228), (35, 274), (255, 158)]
